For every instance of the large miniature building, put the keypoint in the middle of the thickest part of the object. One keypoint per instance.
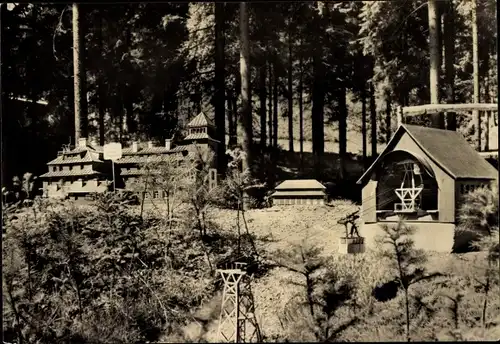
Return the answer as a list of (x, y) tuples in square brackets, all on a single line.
[(77, 172), (82, 171), (299, 192), (198, 141), (422, 176)]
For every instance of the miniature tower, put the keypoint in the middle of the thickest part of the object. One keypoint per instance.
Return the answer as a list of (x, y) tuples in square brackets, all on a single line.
[(237, 322)]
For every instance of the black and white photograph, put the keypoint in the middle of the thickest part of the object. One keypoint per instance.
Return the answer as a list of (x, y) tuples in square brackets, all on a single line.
[(250, 172)]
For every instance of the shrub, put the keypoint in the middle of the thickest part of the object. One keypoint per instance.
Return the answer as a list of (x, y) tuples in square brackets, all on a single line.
[(100, 274)]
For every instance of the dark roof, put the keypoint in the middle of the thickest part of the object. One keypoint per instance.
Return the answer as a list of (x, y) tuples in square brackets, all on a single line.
[(137, 159), (64, 159), (299, 193), (300, 184), (153, 150), (197, 136), (72, 173), (448, 149), (201, 120), (145, 150)]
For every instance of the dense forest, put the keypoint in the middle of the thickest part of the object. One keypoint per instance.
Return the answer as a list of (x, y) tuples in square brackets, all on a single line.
[(272, 75), (287, 85)]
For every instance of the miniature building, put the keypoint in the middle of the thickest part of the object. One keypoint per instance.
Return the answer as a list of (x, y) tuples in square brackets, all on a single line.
[(302, 191), (131, 165), (77, 172), (82, 170), (422, 176)]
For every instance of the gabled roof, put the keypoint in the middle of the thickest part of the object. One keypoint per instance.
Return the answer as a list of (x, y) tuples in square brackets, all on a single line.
[(300, 184), (200, 121), (447, 149)]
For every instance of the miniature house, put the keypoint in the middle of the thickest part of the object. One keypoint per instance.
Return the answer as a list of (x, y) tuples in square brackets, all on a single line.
[(298, 192), (198, 141), (82, 170), (421, 176), (76, 172)]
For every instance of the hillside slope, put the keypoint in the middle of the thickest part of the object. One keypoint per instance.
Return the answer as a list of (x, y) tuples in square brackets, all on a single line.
[(280, 228)]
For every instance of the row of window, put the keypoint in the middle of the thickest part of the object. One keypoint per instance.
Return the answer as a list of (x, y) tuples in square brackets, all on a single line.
[(466, 188), (60, 167), (197, 130), (69, 182)]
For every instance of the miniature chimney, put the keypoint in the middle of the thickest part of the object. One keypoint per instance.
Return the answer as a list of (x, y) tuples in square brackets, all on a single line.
[(168, 144), (82, 142), (134, 147), (150, 144)]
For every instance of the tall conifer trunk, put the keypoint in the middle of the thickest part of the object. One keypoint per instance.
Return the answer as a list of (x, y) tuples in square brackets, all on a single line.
[(219, 101), (449, 60), (246, 111), (79, 75)]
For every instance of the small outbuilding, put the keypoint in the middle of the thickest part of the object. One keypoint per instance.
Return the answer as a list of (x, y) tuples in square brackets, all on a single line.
[(422, 176), (300, 191)]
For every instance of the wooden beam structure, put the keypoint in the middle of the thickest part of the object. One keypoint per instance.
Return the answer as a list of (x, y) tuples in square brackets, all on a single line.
[(437, 108)]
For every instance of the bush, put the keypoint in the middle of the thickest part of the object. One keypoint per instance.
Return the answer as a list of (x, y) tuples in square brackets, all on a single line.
[(100, 274)]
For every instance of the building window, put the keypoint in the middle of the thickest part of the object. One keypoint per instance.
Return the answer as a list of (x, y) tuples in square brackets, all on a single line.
[(60, 168), (82, 166), (156, 194), (70, 167)]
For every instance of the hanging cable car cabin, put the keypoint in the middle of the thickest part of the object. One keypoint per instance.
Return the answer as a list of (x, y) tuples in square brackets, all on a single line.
[(421, 176)]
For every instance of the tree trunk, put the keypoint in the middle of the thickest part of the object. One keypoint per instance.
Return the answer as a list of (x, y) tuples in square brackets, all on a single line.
[(263, 110), (449, 61), (246, 111), (488, 118), (275, 102), (124, 114), (100, 84), (219, 104), (475, 63), (79, 75), (318, 108), (373, 120), (363, 122), (131, 123), (270, 103), (435, 58), (301, 110), (290, 92), (487, 98), (231, 116), (342, 130), (388, 111)]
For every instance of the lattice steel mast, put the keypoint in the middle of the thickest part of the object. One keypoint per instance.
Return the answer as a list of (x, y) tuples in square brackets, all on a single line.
[(237, 322)]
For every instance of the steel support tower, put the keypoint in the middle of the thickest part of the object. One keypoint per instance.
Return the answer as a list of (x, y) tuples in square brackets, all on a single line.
[(237, 322)]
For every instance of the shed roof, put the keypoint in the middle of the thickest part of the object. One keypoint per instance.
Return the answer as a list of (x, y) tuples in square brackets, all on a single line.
[(300, 184), (201, 120), (447, 149)]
